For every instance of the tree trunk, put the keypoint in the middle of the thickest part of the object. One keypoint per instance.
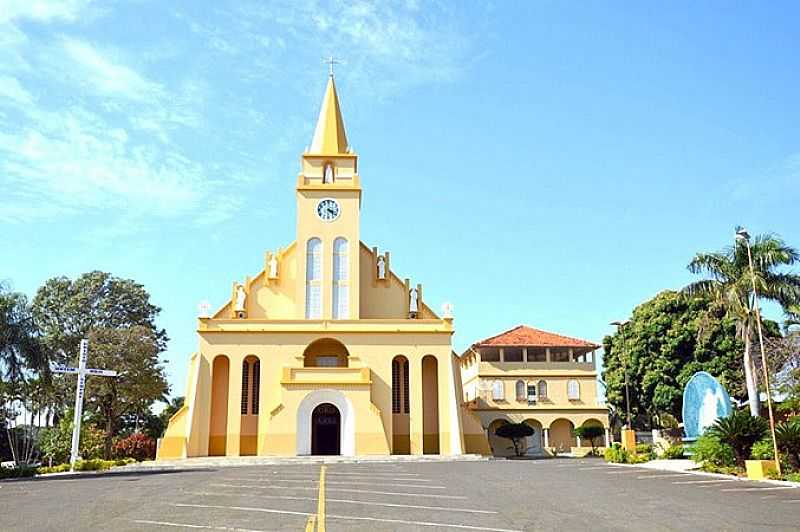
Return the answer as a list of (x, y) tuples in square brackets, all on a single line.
[(749, 376)]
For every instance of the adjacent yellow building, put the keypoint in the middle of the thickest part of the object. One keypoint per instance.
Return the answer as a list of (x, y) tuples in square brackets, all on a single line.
[(546, 380), (328, 351)]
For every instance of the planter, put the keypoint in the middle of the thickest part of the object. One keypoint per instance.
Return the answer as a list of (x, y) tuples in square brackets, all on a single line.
[(759, 469)]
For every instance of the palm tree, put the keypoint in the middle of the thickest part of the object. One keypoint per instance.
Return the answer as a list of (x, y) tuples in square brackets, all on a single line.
[(729, 284)]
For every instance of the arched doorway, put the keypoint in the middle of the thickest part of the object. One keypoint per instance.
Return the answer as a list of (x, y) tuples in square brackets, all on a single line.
[(430, 405), (500, 446), (218, 420), (533, 443), (326, 429), (561, 435)]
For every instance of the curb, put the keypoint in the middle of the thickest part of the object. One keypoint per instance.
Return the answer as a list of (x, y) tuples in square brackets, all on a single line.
[(787, 483)]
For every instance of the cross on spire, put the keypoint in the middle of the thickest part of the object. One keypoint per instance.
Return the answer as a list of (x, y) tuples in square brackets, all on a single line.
[(330, 62)]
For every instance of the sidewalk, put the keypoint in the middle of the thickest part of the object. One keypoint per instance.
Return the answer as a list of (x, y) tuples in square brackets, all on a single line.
[(690, 467)]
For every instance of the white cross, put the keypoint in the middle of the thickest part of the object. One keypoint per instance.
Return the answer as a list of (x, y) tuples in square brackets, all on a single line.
[(82, 371), (331, 61)]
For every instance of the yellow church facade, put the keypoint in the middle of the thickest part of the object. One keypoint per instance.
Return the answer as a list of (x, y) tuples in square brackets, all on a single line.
[(326, 350)]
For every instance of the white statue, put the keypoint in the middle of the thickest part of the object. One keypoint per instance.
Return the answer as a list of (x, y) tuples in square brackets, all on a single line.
[(328, 175), (447, 311), (708, 412), (381, 267), (413, 307), (241, 296), (273, 267), (203, 309)]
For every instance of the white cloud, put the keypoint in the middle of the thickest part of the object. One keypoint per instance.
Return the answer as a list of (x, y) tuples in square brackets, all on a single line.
[(11, 88), (42, 10), (100, 73)]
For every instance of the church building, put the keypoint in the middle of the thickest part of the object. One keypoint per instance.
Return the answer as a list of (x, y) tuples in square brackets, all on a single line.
[(326, 350)]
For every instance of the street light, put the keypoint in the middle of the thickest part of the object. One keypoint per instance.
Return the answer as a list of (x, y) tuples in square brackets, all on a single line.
[(743, 236), (620, 327)]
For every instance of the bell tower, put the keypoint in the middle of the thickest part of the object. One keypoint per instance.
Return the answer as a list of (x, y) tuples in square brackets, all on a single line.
[(328, 213)]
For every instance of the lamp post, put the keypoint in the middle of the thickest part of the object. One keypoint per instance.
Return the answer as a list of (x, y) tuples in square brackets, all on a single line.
[(743, 236), (620, 327)]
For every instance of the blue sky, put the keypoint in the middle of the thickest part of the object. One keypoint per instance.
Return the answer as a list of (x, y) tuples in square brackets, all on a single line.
[(536, 162)]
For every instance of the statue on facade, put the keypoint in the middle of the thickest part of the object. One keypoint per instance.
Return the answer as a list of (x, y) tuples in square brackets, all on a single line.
[(203, 309), (327, 177), (241, 296), (447, 311), (381, 268), (413, 302), (273, 267)]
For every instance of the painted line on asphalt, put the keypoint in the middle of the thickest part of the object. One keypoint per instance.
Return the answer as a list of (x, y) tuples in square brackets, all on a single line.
[(792, 500), (705, 481), (348, 490), (336, 472), (761, 489), (338, 482), (669, 475), (321, 501), (343, 501), (329, 474), (593, 468), (311, 523), (625, 472), (349, 517), (189, 525)]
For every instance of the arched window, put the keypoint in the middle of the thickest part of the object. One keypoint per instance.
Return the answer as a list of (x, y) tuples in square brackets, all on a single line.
[(542, 390), (498, 394), (520, 391), (573, 390), (314, 279), (251, 380), (400, 400), (341, 301)]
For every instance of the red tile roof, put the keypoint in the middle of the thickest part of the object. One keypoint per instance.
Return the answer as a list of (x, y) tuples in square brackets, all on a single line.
[(523, 335)]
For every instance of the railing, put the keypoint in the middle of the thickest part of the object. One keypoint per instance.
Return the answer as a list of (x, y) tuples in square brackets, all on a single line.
[(328, 376)]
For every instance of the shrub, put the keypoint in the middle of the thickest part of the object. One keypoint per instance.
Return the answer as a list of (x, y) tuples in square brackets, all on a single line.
[(138, 446), (673, 452), (591, 433), (96, 464), (516, 432), (616, 454), (56, 442), (787, 435), (741, 431), (17, 471), (646, 451), (709, 450), (762, 450), (61, 468)]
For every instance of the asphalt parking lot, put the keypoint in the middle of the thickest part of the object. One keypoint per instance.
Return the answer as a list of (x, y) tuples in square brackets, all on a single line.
[(499, 496)]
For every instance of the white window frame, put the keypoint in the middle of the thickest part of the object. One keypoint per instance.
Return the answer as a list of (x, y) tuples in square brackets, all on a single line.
[(532, 398), (573, 390), (314, 279), (341, 271), (498, 391), (521, 390)]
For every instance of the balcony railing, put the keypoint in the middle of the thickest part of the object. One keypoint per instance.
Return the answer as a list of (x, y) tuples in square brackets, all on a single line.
[(326, 376)]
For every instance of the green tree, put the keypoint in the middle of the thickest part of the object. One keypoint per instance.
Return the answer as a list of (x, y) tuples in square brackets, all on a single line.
[(667, 340), (23, 372), (516, 432), (591, 433), (56, 442), (729, 283), (67, 310), (133, 353)]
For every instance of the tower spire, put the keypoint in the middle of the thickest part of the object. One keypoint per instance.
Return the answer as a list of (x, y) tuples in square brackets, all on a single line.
[(329, 135)]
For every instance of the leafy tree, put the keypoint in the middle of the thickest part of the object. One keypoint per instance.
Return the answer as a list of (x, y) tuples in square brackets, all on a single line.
[(740, 430), (729, 283), (667, 340), (67, 310), (133, 353), (23, 371), (591, 433), (516, 432)]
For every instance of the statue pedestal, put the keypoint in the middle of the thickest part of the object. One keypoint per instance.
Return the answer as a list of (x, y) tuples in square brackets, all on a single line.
[(628, 439)]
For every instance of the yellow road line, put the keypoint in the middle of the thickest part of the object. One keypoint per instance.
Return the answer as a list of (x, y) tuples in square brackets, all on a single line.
[(321, 501), (312, 520)]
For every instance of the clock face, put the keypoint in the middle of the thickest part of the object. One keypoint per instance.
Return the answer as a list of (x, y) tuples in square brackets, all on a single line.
[(328, 210)]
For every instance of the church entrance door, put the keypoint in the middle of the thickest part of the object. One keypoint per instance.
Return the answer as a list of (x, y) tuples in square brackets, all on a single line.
[(325, 429)]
